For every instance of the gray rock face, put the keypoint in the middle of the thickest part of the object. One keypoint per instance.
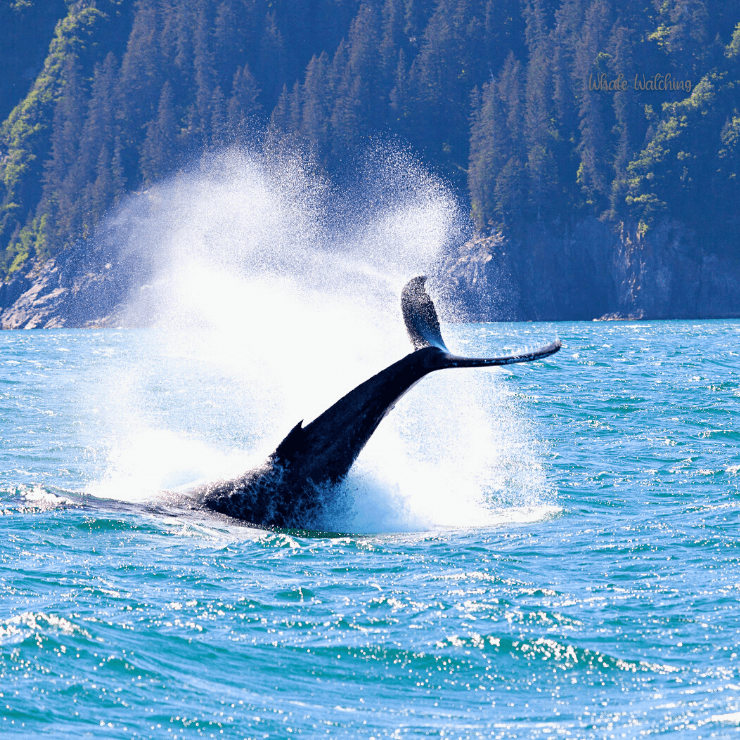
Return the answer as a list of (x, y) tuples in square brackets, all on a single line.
[(80, 288), (596, 271), (590, 271)]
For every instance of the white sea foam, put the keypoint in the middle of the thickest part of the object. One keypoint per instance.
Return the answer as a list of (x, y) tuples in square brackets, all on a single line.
[(276, 295), (151, 461), (732, 718), (42, 500)]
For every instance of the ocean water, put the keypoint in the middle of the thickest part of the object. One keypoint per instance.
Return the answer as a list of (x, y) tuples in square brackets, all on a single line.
[(545, 550)]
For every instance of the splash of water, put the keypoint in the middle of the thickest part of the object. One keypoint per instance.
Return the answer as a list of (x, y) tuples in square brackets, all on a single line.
[(280, 293)]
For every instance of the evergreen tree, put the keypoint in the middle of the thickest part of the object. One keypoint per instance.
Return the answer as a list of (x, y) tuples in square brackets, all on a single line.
[(244, 106), (346, 122), (317, 94), (294, 108), (100, 125), (158, 153), (496, 173), (400, 96), (205, 79), (219, 128), (628, 127), (503, 31), (280, 118), (62, 181), (271, 61), (227, 42), (486, 135), (687, 37), (443, 76), (365, 60), (98, 193), (509, 192), (591, 62), (141, 68), (541, 167), (393, 38)]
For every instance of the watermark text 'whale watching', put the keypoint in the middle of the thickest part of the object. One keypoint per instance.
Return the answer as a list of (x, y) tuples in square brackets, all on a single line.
[(619, 83)]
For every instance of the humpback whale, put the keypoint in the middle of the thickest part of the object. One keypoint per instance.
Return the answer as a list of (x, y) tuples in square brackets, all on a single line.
[(292, 484)]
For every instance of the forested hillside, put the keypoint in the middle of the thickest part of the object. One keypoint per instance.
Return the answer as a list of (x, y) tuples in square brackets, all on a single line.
[(497, 95)]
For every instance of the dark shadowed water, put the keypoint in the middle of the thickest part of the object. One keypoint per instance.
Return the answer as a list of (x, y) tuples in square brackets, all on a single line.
[(542, 551)]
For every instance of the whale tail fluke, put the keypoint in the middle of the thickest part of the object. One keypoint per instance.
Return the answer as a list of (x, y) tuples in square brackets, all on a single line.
[(293, 483), (526, 356), (422, 325), (420, 316)]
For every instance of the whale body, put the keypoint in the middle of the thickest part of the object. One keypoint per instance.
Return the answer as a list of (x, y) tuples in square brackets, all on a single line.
[(299, 476)]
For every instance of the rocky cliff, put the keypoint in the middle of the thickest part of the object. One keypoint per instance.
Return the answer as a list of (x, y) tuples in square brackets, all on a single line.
[(596, 270), (590, 271), (80, 288)]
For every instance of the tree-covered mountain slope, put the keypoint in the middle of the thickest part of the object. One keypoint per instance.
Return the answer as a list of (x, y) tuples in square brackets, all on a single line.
[(544, 114)]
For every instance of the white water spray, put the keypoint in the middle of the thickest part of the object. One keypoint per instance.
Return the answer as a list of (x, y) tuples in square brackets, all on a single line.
[(274, 296)]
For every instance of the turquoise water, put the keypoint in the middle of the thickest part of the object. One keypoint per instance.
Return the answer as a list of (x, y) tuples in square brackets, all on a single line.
[(543, 551)]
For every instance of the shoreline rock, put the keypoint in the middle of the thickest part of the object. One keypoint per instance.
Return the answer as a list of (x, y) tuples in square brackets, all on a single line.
[(592, 271), (596, 270)]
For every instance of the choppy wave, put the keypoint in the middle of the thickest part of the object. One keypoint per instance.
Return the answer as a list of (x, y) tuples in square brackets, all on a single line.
[(546, 551)]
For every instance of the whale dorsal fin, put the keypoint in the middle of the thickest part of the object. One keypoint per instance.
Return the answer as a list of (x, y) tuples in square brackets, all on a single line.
[(291, 444), (420, 315)]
